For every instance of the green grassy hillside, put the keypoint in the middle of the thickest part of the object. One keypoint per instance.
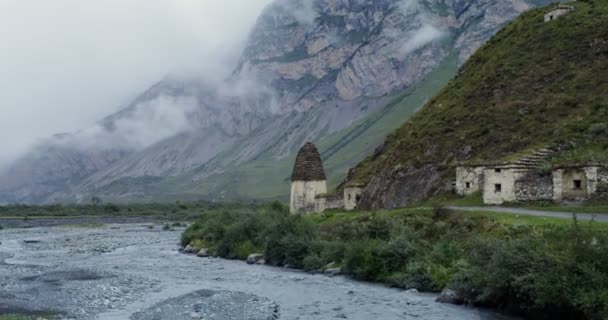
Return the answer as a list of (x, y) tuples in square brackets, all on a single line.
[(534, 84)]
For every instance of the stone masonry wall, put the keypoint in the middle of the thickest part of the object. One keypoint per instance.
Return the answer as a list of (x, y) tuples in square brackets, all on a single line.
[(506, 179), (469, 180), (602, 175), (534, 186), (326, 202), (351, 197), (556, 13), (303, 195)]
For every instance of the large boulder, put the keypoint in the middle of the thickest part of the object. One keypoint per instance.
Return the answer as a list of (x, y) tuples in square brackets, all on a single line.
[(203, 253), (450, 296), (188, 250), (256, 258), (332, 272)]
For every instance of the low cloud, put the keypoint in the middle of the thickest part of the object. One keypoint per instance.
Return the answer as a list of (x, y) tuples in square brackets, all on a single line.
[(303, 11), (422, 36), (66, 64), (146, 124)]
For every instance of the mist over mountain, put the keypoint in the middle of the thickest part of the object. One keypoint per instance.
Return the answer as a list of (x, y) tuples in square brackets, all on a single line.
[(309, 71)]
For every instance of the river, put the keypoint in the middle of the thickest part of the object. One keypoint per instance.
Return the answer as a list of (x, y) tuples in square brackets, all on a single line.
[(133, 271)]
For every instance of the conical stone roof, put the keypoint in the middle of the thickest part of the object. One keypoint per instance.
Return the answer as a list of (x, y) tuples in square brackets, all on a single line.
[(308, 166)]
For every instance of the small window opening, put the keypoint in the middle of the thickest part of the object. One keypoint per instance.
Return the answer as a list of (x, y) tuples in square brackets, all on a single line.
[(358, 198), (578, 184), (551, 17), (349, 196), (498, 170), (498, 188), (468, 185)]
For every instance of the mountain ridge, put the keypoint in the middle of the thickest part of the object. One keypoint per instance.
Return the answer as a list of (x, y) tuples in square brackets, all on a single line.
[(305, 74)]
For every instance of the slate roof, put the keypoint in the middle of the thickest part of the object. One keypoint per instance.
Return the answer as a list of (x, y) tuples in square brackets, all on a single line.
[(308, 166)]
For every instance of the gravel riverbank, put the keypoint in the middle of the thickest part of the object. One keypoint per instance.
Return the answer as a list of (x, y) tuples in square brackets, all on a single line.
[(130, 271)]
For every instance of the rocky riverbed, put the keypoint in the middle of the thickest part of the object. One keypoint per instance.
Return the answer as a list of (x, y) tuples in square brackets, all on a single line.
[(130, 271)]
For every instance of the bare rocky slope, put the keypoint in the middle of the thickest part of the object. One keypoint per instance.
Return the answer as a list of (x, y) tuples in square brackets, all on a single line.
[(533, 85), (328, 71)]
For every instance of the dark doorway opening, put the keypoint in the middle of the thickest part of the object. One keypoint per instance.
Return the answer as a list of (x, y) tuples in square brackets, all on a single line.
[(578, 184)]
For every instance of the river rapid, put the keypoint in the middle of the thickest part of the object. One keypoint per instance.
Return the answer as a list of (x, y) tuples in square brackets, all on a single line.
[(130, 271)]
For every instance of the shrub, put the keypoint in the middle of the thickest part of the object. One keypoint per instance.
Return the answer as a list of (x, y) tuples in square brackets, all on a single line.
[(111, 208), (313, 263), (244, 249), (441, 213), (193, 232)]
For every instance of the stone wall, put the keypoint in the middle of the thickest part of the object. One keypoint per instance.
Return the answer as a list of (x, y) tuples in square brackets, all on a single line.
[(469, 180), (602, 175), (499, 185), (557, 12), (352, 195), (602, 183), (329, 201), (565, 183), (534, 186), (509, 184), (303, 195)]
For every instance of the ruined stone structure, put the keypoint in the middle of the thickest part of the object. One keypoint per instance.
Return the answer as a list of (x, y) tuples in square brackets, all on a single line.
[(510, 183), (309, 186), (576, 183), (328, 201), (527, 180), (307, 180), (557, 11), (469, 180), (352, 195)]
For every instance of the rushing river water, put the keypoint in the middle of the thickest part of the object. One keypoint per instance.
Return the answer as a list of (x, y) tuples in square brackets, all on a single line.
[(133, 272)]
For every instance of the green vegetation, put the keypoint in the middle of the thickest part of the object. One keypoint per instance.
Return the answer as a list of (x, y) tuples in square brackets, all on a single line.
[(44, 316), (532, 85), (538, 267), (177, 211)]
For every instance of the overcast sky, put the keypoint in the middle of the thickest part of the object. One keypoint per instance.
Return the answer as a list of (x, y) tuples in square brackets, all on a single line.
[(65, 64)]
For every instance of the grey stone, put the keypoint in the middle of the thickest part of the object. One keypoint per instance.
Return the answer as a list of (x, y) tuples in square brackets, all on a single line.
[(333, 272), (255, 258), (450, 296), (203, 253)]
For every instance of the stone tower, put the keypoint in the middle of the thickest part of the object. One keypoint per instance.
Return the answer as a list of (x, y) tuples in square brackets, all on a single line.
[(308, 180)]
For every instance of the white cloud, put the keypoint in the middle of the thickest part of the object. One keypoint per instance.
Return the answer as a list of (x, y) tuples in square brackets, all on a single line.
[(64, 64), (148, 123), (421, 37)]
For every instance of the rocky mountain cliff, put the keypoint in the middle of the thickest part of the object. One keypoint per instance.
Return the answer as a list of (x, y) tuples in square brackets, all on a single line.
[(534, 85), (310, 71)]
